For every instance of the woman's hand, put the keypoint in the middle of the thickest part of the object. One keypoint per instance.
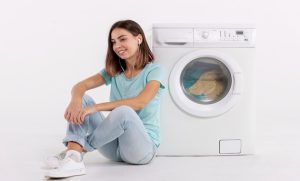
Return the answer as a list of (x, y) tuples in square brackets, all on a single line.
[(75, 113), (85, 112), (72, 112)]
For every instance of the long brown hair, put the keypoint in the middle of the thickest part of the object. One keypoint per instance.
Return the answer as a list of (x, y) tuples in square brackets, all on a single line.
[(112, 62)]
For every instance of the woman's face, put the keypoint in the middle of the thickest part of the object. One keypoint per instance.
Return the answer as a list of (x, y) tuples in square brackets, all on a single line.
[(125, 45)]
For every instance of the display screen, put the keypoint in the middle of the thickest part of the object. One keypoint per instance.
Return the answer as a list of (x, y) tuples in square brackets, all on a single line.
[(239, 32)]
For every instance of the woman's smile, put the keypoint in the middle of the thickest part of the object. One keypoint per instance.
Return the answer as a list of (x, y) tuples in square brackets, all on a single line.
[(121, 52)]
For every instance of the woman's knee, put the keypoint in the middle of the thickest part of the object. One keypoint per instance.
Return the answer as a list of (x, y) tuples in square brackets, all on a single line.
[(123, 110), (123, 113), (87, 101)]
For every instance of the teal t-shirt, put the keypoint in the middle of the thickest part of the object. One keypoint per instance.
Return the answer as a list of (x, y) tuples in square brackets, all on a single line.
[(123, 88)]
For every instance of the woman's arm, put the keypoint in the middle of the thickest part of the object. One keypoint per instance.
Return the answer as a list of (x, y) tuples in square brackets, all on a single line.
[(136, 103), (75, 107), (81, 87)]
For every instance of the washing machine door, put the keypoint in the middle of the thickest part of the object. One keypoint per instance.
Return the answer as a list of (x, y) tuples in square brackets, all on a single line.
[(205, 83)]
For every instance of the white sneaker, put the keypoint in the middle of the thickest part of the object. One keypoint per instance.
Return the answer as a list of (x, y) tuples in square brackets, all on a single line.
[(53, 161), (71, 165)]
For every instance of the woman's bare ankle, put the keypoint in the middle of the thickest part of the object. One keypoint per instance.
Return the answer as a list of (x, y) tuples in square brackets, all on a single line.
[(75, 146)]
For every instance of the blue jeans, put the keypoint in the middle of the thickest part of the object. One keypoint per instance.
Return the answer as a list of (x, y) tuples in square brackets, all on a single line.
[(121, 136)]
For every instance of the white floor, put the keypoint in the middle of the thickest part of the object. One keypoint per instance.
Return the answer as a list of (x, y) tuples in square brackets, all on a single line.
[(277, 158)]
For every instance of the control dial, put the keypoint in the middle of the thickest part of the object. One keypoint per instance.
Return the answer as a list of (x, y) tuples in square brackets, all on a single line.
[(205, 34)]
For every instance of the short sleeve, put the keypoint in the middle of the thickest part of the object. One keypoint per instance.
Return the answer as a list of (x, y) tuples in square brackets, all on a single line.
[(106, 77), (157, 74)]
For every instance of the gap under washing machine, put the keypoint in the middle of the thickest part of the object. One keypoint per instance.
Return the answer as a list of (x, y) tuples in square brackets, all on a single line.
[(209, 106)]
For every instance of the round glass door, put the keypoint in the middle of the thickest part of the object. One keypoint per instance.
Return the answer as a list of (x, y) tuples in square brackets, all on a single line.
[(205, 80), (205, 83)]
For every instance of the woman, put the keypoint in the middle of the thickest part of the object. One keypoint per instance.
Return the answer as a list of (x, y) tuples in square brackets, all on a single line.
[(130, 133)]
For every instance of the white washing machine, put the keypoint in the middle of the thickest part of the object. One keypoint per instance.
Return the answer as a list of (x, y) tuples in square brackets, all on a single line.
[(209, 106)]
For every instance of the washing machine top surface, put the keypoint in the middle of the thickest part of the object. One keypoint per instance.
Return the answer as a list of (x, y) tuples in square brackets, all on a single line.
[(195, 25)]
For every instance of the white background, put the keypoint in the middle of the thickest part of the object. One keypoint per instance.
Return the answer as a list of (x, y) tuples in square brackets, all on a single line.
[(48, 46)]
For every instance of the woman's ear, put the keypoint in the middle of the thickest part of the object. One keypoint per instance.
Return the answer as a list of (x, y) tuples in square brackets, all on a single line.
[(139, 39)]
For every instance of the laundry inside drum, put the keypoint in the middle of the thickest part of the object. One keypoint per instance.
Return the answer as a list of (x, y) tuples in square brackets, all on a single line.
[(205, 80)]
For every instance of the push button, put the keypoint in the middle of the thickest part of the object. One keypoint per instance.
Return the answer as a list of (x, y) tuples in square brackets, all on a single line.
[(230, 146)]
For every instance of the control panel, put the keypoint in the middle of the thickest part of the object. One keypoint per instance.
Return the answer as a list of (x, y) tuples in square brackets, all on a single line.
[(204, 36), (222, 35)]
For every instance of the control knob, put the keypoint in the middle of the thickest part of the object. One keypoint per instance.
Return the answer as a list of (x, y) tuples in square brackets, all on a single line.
[(205, 34)]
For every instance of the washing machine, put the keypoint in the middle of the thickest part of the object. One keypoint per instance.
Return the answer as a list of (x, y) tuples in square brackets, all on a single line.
[(208, 108)]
